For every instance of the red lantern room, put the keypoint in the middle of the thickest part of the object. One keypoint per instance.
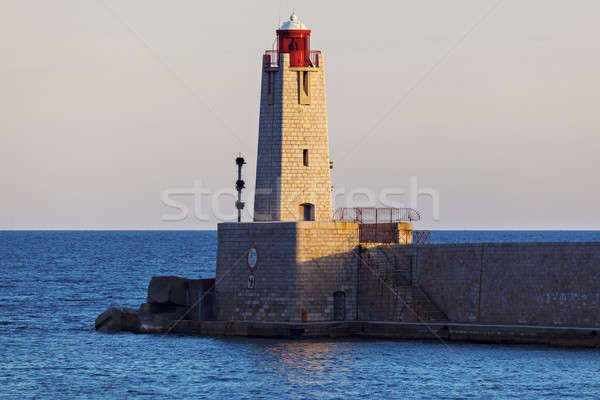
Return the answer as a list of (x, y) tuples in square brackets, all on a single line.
[(294, 38)]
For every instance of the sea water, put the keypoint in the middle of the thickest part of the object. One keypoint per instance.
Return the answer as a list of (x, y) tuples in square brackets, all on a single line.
[(54, 284)]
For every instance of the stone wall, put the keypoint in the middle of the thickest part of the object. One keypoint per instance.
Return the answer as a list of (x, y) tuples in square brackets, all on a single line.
[(269, 161), (382, 270), (449, 274), (507, 283), (274, 275), (300, 266), (286, 129), (551, 283), (326, 256), (388, 289)]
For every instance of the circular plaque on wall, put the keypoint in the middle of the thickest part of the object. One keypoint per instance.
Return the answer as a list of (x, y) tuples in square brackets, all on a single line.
[(252, 258)]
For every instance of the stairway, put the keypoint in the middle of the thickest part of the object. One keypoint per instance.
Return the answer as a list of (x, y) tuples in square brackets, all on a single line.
[(396, 276), (421, 308)]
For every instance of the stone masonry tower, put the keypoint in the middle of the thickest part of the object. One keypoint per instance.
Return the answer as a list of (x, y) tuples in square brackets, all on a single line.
[(292, 173)]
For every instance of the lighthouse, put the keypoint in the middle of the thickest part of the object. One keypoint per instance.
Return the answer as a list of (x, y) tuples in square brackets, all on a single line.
[(292, 172), (296, 262)]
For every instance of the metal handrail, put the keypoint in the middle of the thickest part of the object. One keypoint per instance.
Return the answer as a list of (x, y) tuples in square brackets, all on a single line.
[(373, 215), (272, 58)]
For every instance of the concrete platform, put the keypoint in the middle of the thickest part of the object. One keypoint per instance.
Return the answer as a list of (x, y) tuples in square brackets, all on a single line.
[(445, 332)]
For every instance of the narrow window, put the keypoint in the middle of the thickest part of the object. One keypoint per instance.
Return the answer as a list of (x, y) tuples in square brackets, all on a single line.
[(304, 87), (306, 83), (305, 157)]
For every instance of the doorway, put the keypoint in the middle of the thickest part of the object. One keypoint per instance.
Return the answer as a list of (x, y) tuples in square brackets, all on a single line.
[(339, 306), (307, 212)]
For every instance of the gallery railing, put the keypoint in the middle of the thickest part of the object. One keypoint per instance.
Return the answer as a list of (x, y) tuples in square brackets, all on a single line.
[(312, 58)]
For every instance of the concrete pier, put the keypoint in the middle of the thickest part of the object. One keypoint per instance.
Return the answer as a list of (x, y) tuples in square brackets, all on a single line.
[(443, 332)]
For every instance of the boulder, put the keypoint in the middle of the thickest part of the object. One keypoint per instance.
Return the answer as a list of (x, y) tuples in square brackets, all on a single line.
[(170, 298), (116, 320)]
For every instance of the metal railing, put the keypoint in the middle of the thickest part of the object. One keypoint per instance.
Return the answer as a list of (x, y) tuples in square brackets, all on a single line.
[(421, 237), (372, 215), (272, 58), (314, 58), (385, 233)]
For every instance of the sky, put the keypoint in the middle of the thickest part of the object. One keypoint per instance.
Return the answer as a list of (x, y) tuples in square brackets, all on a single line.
[(111, 109)]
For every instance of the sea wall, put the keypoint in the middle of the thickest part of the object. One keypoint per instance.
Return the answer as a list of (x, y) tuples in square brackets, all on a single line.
[(502, 283), (316, 271)]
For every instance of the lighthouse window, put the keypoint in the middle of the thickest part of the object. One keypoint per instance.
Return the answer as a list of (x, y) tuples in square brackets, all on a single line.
[(305, 157), (306, 83), (303, 87)]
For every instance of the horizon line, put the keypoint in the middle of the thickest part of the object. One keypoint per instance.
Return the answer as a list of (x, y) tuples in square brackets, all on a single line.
[(214, 229)]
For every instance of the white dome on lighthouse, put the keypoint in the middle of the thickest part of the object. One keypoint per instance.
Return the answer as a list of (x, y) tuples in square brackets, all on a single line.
[(293, 24)]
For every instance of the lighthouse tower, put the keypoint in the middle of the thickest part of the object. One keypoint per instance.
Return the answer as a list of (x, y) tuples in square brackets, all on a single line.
[(293, 262), (292, 173)]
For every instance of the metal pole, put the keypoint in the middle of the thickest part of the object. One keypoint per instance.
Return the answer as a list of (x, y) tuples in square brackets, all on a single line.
[(239, 185), (239, 199)]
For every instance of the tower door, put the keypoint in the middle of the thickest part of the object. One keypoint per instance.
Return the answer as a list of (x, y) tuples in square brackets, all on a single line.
[(307, 212)]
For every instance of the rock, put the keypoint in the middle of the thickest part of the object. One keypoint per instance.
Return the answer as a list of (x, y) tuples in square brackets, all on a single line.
[(170, 299), (115, 320)]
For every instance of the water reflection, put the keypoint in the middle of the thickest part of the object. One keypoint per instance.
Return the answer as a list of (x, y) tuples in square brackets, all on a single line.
[(309, 362)]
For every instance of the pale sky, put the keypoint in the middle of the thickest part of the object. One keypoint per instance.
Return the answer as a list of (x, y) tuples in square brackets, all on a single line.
[(106, 104)]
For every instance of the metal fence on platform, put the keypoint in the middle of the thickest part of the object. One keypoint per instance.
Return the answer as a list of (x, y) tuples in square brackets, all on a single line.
[(373, 215), (421, 237), (388, 233), (380, 225)]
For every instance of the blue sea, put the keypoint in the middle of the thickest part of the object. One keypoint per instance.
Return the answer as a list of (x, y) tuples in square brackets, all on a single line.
[(54, 284)]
